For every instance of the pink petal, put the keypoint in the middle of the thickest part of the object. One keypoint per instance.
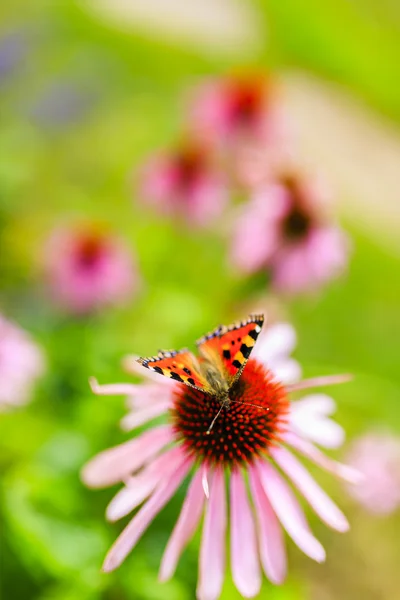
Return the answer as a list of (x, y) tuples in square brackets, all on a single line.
[(150, 393), (272, 547), (254, 241), (135, 529), (377, 456), (325, 508), (204, 480), (324, 380), (273, 349), (112, 389), (116, 464), (139, 487), (184, 528), (289, 511), (208, 198), (136, 490), (212, 550), (316, 456), (322, 431), (136, 418), (315, 404), (328, 251), (291, 269), (244, 555), (277, 342), (307, 417), (286, 370)]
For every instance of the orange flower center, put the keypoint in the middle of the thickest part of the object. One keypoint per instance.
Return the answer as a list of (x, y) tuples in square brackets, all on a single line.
[(246, 427)]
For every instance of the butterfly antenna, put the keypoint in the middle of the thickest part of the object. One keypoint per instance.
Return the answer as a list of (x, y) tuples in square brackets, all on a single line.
[(214, 419), (248, 404)]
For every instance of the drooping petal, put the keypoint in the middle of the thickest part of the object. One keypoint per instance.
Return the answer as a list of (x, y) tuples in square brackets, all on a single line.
[(289, 511), (244, 555), (118, 463), (272, 546), (316, 456), (135, 529), (136, 418), (185, 527), (212, 550), (325, 508), (140, 486), (308, 418)]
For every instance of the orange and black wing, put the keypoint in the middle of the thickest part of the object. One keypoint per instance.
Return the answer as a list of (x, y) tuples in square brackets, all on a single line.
[(180, 365), (229, 347)]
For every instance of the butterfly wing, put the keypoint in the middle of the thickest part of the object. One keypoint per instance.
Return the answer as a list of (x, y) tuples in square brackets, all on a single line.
[(229, 347), (180, 365)]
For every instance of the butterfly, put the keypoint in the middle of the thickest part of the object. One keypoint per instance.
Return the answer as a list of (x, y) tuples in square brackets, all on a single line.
[(222, 356)]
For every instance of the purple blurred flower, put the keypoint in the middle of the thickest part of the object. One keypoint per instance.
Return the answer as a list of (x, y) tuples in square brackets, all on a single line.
[(61, 104), (377, 457), (13, 49), (88, 269), (255, 456), (284, 229), (185, 183), (21, 364)]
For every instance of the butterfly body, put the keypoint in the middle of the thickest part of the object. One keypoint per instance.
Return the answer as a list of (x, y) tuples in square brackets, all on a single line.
[(222, 356), (218, 384)]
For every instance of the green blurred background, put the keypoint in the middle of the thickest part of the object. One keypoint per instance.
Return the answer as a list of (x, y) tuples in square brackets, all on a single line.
[(88, 96)]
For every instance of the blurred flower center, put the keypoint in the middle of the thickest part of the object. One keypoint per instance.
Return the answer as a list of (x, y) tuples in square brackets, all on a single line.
[(299, 220), (189, 165), (296, 224), (244, 430), (245, 99), (90, 251)]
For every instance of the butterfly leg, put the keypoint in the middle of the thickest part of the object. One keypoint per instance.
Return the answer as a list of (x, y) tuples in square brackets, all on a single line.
[(225, 403), (214, 419)]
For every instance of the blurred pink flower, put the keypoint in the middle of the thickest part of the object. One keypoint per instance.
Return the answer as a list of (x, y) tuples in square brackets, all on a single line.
[(284, 229), (185, 183), (21, 364), (377, 457), (243, 116), (88, 269), (260, 447)]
